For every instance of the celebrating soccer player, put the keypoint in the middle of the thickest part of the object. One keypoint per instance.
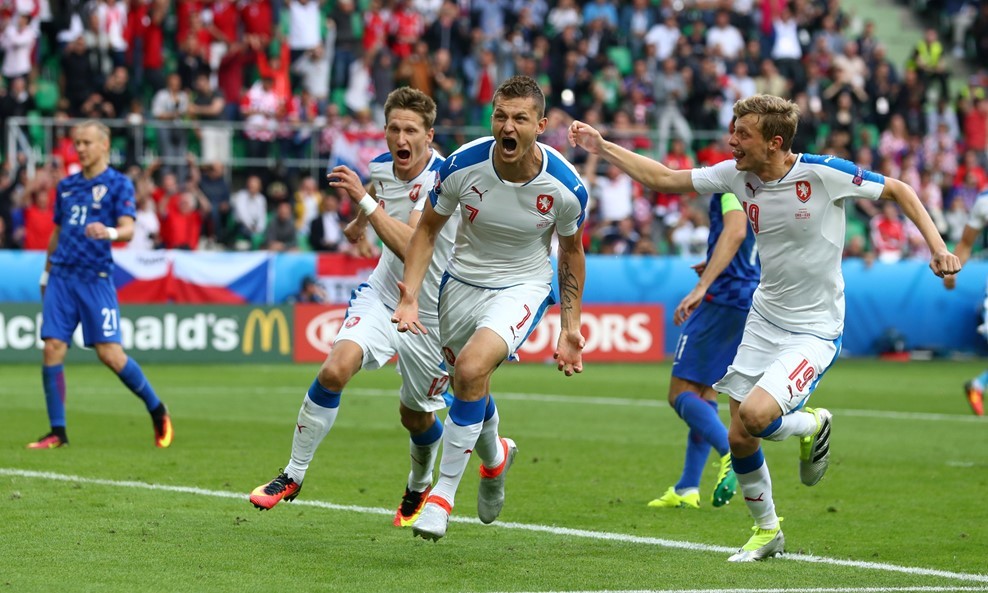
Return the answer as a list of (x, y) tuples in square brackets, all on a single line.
[(795, 206), (93, 208), (392, 203), (512, 192), (712, 315)]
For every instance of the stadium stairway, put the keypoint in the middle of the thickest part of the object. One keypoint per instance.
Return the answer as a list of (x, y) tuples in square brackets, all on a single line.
[(899, 28)]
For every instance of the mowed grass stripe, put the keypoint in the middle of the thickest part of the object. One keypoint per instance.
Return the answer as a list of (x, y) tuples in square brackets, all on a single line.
[(560, 531)]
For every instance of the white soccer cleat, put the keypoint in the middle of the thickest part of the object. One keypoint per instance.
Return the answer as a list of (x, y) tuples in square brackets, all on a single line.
[(490, 494), (433, 520), (814, 451), (765, 543)]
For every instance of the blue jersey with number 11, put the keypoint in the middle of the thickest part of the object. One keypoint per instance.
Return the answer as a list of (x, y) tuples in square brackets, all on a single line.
[(736, 284), (79, 202)]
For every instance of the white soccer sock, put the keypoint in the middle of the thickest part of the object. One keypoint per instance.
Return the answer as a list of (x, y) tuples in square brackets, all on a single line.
[(489, 447), (800, 424), (423, 462), (458, 442), (314, 422), (756, 487)]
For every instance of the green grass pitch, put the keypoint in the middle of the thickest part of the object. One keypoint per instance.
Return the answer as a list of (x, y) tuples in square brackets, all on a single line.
[(903, 507)]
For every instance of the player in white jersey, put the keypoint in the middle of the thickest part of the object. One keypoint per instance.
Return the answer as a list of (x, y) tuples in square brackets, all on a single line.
[(392, 202), (513, 192), (976, 222), (795, 206)]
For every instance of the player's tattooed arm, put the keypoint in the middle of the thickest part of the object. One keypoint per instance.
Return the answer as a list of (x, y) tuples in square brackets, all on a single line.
[(570, 288), (572, 276)]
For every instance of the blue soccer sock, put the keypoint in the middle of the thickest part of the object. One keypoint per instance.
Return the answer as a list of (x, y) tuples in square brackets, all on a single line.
[(133, 377), (701, 415), (697, 451), (53, 380)]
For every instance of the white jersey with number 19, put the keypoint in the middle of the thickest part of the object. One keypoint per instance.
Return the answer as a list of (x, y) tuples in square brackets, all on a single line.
[(799, 231), (506, 229)]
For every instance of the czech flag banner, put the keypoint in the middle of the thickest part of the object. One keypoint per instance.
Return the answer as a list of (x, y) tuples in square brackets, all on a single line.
[(192, 277)]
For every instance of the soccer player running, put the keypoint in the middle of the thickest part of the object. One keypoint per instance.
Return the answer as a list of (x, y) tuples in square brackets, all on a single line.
[(93, 208), (976, 222), (392, 203), (712, 317), (795, 205), (513, 193)]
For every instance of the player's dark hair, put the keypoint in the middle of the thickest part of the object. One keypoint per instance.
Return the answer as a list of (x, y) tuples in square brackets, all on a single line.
[(522, 87), (413, 100), (776, 116)]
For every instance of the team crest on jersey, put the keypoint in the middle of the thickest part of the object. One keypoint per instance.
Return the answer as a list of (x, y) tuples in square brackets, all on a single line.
[(98, 192), (803, 190), (351, 321), (543, 203), (414, 194), (449, 356)]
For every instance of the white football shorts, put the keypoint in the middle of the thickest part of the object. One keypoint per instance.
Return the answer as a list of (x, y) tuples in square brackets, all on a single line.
[(512, 313), (787, 365), (420, 363)]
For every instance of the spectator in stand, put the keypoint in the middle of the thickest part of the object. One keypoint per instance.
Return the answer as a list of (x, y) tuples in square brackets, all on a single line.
[(222, 20), (888, 234), (171, 105), (250, 212), (970, 165), (612, 192), (346, 21), (308, 200), (449, 32), (637, 19), (193, 57), (670, 98), (786, 49), (181, 224), (770, 81), (147, 225), (212, 183), (257, 19), (326, 231), (17, 41), (39, 211), (207, 106), (311, 292), (281, 235), (168, 188), (78, 86), (110, 24), (724, 37), (975, 127), (663, 37), (894, 142), (930, 61), (145, 24), (14, 102), (116, 93), (260, 108)]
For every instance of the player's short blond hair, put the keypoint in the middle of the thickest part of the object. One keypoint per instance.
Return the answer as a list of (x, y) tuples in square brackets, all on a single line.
[(99, 126), (412, 100), (776, 116), (522, 87)]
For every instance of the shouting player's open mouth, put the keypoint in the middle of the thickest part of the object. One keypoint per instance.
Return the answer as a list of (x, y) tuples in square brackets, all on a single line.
[(403, 155), (509, 146)]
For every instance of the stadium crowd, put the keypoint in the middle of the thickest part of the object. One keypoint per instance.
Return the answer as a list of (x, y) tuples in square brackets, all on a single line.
[(660, 75)]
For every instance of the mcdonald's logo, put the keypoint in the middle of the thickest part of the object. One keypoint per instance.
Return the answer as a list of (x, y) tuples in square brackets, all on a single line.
[(265, 322)]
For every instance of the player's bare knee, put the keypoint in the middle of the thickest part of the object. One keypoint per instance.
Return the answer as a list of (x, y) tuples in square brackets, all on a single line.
[(754, 419), (54, 352), (334, 377), (416, 422), (471, 380)]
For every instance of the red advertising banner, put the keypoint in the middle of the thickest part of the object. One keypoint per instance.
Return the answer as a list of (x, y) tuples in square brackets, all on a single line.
[(614, 333)]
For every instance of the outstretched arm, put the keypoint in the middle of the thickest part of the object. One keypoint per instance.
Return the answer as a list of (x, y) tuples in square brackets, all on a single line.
[(653, 174), (572, 278), (392, 231), (731, 238), (963, 252), (418, 256), (942, 261)]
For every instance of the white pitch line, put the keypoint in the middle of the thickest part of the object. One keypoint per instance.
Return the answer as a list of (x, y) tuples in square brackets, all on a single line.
[(810, 590), (565, 531), (568, 399)]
